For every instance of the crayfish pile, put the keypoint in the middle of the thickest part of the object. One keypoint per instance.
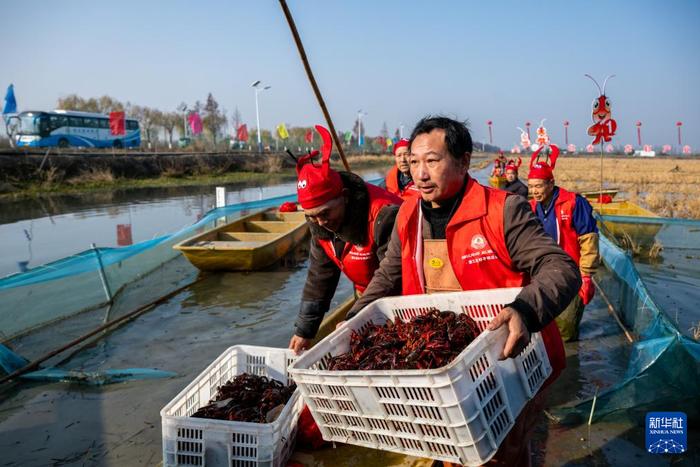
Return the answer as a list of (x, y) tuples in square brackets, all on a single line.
[(427, 341), (248, 398)]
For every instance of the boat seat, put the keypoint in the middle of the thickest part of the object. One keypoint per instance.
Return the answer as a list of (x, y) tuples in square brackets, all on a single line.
[(269, 226), (246, 236), (214, 245)]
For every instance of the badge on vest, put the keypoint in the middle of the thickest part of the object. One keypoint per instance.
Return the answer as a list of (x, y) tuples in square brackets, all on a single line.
[(436, 263), (478, 242)]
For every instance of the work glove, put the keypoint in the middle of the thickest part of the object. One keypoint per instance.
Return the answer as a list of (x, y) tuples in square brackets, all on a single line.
[(587, 290)]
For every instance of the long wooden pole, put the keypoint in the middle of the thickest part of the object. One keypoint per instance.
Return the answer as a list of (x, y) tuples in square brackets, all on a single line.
[(310, 74), (612, 311)]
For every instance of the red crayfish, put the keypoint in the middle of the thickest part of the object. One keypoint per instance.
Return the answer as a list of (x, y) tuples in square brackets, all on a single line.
[(431, 340), (247, 398)]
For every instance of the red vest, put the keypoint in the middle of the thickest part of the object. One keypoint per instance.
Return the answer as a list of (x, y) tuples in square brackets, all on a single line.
[(392, 185), (360, 262), (477, 250), (564, 212)]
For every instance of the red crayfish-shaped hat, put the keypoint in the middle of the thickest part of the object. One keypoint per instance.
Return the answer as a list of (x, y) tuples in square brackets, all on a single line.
[(512, 165), (318, 184), (402, 143), (542, 170)]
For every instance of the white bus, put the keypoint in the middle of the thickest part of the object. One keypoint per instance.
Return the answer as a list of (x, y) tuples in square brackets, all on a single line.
[(64, 128)]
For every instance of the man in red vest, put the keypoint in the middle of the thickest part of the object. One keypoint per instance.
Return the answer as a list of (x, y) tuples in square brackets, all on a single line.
[(398, 179), (350, 223), (463, 236), (568, 219)]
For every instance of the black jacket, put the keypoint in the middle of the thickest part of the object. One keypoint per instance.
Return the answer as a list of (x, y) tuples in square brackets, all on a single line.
[(323, 275), (517, 187)]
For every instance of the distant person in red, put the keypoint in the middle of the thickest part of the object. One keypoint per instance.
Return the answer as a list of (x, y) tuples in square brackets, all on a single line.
[(350, 222), (398, 180), (513, 183), (568, 218)]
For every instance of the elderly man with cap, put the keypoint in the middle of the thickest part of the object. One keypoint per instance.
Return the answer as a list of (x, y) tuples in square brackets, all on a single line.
[(350, 223), (513, 183), (398, 179), (568, 218), (463, 236)]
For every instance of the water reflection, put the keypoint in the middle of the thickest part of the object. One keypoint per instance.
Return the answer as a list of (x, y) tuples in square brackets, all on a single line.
[(42, 230)]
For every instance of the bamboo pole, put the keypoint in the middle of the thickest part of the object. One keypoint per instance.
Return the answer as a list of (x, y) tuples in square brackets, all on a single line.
[(312, 80), (612, 311)]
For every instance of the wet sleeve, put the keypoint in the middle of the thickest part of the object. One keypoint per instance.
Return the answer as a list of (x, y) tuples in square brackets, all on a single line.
[(387, 278), (321, 282), (554, 276), (383, 226), (588, 264)]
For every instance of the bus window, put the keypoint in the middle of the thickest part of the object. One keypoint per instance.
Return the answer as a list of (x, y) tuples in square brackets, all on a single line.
[(76, 121), (91, 122), (132, 125), (104, 123)]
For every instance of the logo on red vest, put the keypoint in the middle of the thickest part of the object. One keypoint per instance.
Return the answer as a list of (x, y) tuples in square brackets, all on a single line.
[(302, 184), (564, 216), (478, 242)]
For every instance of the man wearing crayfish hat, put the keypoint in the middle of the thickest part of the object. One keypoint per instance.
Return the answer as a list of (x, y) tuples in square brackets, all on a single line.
[(398, 179), (350, 223), (463, 236), (513, 183), (568, 218)]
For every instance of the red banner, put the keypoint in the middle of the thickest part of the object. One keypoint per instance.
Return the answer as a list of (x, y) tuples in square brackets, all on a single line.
[(124, 235), (243, 133), (117, 123), (195, 122), (309, 136)]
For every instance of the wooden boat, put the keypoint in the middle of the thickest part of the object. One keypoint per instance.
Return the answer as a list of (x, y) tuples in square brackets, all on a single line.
[(497, 182), (247, 244), (634, 236), (592, 195)]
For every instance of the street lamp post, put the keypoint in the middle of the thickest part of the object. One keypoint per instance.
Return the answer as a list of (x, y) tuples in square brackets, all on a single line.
[(360, 140), (566, 132), (258, 90)]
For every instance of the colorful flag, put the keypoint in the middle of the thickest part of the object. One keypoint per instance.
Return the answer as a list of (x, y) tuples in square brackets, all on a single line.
[(309, 136), (389, 143), (348, 137), (195, 122), (381, 141), (282, 131), (687, 149), (10, 101), (117, 123), (242, 133)]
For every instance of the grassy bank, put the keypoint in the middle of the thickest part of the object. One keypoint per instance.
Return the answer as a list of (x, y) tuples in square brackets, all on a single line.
[(96, 179)]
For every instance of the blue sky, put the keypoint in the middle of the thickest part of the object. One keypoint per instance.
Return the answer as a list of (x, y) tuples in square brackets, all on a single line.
[(398, 60)]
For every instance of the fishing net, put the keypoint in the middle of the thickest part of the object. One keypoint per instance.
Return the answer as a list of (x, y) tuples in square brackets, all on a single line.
[(654, 287)]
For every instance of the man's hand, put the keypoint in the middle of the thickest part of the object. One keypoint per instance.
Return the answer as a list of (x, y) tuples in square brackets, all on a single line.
[(298, 344), (587, 290), (518, 335)]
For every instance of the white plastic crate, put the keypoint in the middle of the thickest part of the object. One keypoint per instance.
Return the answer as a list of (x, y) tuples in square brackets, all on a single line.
[(458, 413), (206, 442)]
